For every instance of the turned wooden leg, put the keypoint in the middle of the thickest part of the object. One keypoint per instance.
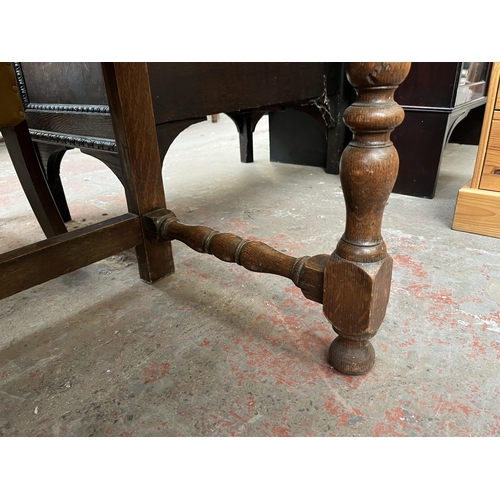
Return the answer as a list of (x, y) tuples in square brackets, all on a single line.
[(358, 275)]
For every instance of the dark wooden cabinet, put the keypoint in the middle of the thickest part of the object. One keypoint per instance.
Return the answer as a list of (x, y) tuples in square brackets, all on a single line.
[(436, 97), (442, 101), (67, 107)]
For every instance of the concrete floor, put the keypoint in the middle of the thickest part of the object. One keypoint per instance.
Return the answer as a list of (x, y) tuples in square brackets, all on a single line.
[(217, 351)]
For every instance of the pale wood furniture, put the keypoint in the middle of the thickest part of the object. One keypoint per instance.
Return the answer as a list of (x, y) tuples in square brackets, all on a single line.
[(478, 202)]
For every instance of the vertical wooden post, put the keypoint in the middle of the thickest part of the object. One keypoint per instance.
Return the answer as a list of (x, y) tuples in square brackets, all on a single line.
[(129, 97), (358, 275)]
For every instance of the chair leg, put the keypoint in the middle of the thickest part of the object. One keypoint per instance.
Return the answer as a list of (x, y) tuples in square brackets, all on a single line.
[(33, 182), (130, 102), (50, 157)]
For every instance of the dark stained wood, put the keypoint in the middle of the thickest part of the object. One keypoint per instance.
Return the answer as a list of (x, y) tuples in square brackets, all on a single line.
[(67, 105), (468, 131), (436, 100), (111, 160), (129, 95), (419, 175), (245, 122), (358, 275), (168, 132), (210, 88), (37, 263), (441, 77), (96, 125), (297, 137), (50, 157), (32, 179), (74, 80), (136, 138)]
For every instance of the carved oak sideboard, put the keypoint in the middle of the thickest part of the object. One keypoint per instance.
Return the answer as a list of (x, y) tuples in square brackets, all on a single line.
[(67, 107)]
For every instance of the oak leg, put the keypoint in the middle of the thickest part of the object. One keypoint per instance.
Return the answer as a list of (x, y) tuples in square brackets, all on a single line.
[(129, 97), (358, 275)]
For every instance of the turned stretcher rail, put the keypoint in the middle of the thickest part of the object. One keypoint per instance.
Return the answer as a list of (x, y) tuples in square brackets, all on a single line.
[(305, 272)]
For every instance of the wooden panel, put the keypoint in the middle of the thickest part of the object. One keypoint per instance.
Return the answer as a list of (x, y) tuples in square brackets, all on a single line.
[(477, 211), (490, 177), (189, 90), (497, 104), (34, 264), (441, 77), (81, 124), (418, 166)]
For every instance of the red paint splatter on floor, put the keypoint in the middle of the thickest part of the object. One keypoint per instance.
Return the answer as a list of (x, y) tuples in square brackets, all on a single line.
[(237, 417), (280, 431), (383, 347), (397, 420), (155, 371), (299, 300), (331, 405), (477, 346), (411, 341), (416, 268), (382, 429)]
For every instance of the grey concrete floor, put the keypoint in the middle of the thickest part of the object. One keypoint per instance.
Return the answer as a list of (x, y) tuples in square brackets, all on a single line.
[(217, 351)]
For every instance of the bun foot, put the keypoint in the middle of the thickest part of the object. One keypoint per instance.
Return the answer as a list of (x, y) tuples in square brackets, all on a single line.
[(352, 357)]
